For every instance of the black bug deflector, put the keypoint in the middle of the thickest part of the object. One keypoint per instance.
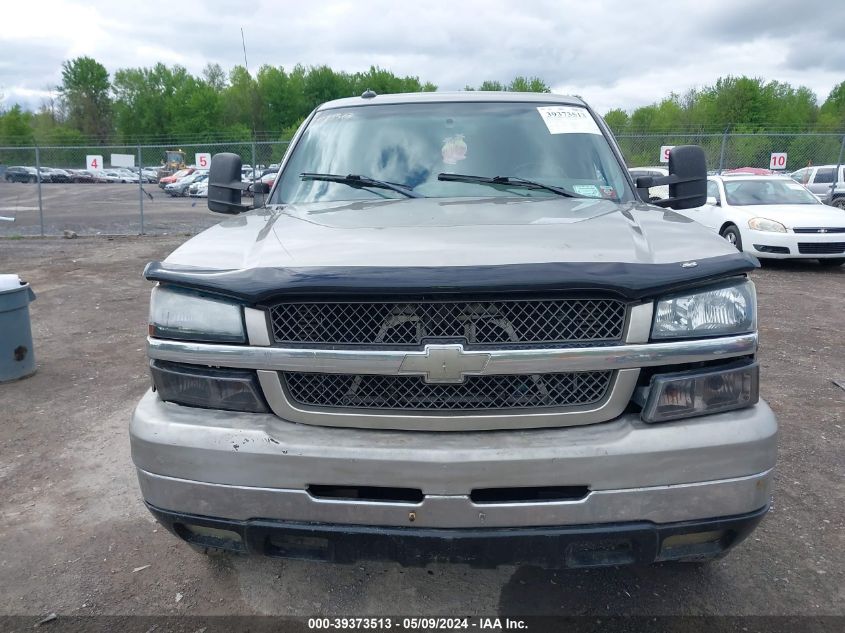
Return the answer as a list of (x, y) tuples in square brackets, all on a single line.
[(624, 280)]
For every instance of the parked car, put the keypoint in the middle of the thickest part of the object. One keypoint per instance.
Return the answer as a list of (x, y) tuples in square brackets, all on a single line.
[(21, 174), (163, 182), (81, 175), (268, 178), (819, 179), (199, 189), (126, 175), (180, 187), (58, 175), (105, 176), (772, 217), (749, 171), (150, 174), (469, 343), (659, 192)]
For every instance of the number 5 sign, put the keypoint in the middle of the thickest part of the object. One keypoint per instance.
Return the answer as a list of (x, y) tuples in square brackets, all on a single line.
[(202, 161), (778, 160), (93, 162), (664, 153)]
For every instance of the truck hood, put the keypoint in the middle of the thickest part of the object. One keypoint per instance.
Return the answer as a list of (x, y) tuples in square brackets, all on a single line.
[(414, 237)]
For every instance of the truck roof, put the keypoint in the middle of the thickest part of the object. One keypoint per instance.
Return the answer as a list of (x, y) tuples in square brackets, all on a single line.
[(455, 96)]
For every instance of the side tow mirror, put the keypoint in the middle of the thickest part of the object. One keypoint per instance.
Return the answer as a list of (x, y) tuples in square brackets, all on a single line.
[(224, 184), (687, 178)]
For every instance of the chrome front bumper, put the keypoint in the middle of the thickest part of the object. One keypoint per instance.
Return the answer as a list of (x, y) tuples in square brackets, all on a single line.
[(242, 466)]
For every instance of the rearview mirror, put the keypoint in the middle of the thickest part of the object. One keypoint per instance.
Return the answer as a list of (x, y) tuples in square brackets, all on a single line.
[(711, 200), (224, 184), (687, 179)]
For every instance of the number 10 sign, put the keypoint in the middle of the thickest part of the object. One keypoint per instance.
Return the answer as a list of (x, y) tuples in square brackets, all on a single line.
[(778, 160)]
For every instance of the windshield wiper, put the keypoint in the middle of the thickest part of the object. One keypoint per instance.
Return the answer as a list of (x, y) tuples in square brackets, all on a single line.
[(512, 181), (360, 182)]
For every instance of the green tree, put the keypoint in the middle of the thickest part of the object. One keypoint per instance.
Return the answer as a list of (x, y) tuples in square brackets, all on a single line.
[(491, 86), (528, 84), (214, 76), (832, 111), (85, 91), (617, 120), (16, 127)]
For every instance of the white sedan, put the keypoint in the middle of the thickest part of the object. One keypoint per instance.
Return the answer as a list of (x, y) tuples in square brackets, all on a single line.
[(772, 217)]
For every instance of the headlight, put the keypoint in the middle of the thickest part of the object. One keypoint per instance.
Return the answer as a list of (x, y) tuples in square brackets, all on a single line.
[(715, 312), (764, 224), (182, 314)]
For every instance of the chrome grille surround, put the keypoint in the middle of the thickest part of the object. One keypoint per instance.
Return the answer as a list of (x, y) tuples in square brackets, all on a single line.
[(484, 323), (475, 393)]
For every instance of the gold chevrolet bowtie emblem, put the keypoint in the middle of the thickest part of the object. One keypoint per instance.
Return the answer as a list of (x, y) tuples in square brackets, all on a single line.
[(444, 363)]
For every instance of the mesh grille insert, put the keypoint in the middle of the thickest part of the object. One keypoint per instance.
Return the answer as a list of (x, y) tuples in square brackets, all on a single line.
[(821, 248), (479, 322), (412, 393)]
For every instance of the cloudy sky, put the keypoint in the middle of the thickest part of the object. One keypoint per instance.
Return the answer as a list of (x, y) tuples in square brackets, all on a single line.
[(613, 53)]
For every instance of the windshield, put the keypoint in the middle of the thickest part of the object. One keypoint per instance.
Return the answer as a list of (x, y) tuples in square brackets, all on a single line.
[(756, 192), (410, 144)]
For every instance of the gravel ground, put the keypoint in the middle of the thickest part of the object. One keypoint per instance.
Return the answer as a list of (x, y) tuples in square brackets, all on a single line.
[(79, 542), (99, 209)]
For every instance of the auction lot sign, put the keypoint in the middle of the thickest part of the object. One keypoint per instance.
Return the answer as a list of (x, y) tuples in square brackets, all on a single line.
[(778, 160), (122, 160), (93, 162), (664, 153)]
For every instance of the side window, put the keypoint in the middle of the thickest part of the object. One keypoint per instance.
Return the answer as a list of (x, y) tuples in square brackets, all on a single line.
[(824, 175), (713, 190), (802, 176)]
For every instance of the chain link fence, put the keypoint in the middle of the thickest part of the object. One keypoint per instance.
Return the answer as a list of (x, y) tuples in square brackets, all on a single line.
[(115, 189), (733, 151), (118, 189)]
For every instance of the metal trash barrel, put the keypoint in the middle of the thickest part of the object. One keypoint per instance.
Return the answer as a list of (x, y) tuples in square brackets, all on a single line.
[(17, 358)]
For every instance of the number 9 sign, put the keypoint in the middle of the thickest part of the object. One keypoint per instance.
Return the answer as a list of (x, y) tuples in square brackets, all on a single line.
[(203, 160), (664, 153)]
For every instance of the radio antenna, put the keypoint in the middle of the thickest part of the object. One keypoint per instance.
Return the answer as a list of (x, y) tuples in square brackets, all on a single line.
[(243, 43), (251, 105)]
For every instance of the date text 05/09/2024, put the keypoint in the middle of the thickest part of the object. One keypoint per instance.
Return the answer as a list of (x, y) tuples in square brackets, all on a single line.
[(420, 623)]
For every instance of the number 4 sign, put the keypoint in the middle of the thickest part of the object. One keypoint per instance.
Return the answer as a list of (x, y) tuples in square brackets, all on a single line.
[(778, 160), (93, 161), (202, 161), (664, 153)]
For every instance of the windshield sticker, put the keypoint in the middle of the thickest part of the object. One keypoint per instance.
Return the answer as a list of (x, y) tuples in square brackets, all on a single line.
[(586, 190), (454, 149), (568, 120)]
